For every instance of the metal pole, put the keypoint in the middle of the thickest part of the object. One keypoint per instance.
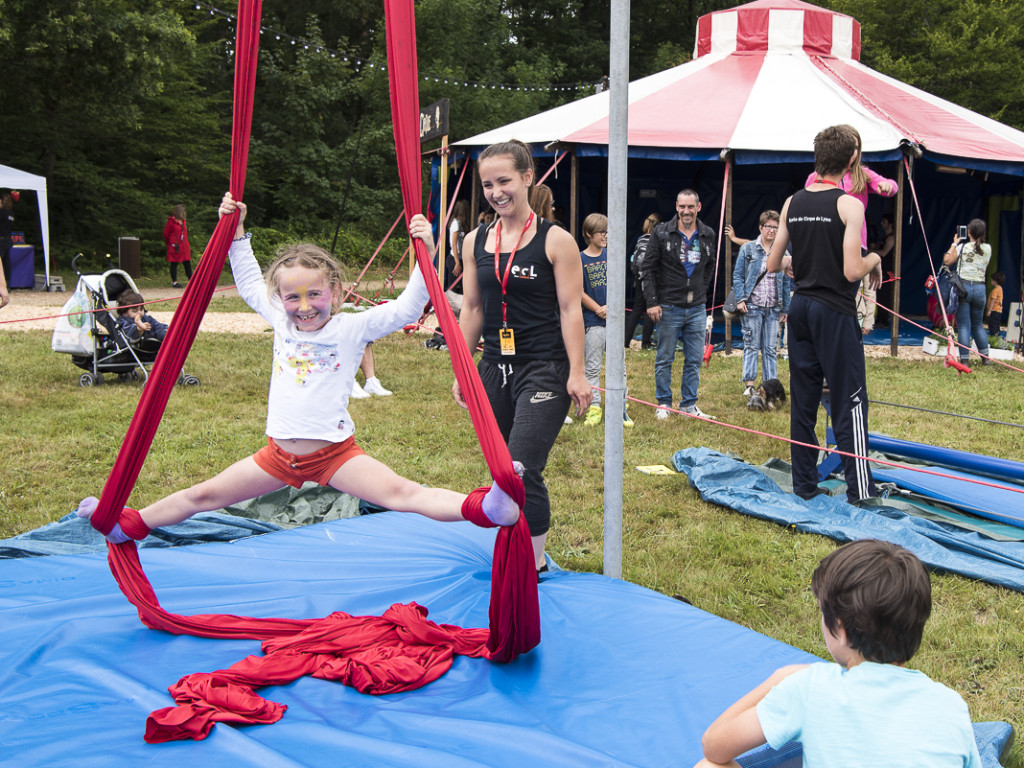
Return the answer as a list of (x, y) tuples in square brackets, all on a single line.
[(442, 234), (894, 333), (615, 354)]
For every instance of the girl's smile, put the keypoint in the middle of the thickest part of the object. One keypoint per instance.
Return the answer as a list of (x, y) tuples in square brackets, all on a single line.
[(306, 297)]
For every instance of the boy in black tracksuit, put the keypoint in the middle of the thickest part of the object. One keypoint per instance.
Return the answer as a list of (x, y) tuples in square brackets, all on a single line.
[(824, 225)]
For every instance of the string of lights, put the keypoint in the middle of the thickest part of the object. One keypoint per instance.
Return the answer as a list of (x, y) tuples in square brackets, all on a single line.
[(360, 62)]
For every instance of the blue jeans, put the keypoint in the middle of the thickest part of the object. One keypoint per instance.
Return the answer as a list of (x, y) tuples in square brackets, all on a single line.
[(691, 322), (760, 334), (969, 323)]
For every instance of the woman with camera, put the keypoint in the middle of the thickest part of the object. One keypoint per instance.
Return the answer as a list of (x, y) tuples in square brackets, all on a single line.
[(970, 254)]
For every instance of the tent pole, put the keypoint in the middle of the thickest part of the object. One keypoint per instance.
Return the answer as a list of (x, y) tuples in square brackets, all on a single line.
[(574, 195), (615, 353), (728, 250), (894, 338), (474, 205)]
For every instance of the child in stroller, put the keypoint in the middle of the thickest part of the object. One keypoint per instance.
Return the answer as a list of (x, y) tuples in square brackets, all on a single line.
[(88, 331), (133, 321)]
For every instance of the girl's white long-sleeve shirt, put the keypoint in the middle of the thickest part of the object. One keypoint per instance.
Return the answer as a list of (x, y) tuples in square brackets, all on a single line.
[(313, 371)]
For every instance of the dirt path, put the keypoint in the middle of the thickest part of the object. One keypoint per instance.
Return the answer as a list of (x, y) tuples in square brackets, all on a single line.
[(35, 310)]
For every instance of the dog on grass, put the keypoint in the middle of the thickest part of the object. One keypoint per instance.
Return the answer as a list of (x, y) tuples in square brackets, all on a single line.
[(768, 396)]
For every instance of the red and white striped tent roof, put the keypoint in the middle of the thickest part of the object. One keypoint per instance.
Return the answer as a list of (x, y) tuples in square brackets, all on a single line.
[(765, 78)]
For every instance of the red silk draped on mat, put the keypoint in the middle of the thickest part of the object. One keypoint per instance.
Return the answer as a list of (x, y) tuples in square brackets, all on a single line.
[(514, 612), (428, 648)]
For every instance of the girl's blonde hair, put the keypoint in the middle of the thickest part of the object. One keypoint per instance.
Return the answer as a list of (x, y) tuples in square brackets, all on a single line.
[(651, 222), (858, 179), (310, 256)]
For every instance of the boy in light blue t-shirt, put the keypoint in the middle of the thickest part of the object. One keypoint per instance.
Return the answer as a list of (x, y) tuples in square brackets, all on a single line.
[(867, 708)]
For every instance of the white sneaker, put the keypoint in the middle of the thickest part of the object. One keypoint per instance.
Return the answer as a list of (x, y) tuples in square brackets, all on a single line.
[(374, 387), (568, 420), (661, 414), (749, 390), (695, 411), (357, 392)]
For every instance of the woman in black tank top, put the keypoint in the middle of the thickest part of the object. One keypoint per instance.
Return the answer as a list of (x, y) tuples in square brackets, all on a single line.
[(523, 293)]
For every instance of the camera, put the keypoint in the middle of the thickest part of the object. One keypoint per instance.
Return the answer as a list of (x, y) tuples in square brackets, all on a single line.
[(961, 232)]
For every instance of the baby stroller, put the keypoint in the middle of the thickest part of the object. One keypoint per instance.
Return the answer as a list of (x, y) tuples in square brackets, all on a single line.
[(87, 330)]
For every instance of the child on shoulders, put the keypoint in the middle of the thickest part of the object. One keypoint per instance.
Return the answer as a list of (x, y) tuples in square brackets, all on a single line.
[(867, 708), (134, 321)]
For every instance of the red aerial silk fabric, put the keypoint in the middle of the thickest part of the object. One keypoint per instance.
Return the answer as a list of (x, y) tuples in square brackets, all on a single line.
[(424, 650), (398, 651), (514, 610)]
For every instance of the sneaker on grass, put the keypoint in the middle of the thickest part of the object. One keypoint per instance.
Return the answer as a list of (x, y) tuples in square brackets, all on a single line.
[(374, 387), (662, 413), (695, 411)]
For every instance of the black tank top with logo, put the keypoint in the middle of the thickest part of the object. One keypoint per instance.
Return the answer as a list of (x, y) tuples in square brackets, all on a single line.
[(816, 232), (532, 300)]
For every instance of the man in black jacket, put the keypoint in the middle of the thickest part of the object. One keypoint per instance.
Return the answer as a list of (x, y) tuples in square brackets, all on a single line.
[(678, 269)]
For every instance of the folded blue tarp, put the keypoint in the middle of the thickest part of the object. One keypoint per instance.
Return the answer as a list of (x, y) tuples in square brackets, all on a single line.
[(745, 488)]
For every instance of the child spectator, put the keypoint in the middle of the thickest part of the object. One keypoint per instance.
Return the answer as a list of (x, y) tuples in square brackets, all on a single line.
[(868, 708), (595, 308), (994, 308), (133, 321)]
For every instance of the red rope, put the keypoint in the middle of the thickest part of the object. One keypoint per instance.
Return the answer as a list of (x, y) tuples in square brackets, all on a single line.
[(885, 462)]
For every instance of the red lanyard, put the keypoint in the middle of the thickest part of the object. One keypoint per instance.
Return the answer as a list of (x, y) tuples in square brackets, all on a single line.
[(820, 180), (503, 281)]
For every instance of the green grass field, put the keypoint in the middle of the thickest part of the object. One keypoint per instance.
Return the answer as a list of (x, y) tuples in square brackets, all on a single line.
[(60, 443)]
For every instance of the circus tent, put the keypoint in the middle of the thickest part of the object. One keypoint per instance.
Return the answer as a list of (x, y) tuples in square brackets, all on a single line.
[(765, 78)]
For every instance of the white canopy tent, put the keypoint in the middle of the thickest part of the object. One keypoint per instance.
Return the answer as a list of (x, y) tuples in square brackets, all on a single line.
[(15, 179)]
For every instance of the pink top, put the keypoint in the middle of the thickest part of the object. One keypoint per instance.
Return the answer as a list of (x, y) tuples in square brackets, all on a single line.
[(873, 180)]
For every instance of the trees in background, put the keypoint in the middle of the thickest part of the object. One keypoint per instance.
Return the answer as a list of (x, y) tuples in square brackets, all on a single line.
[(124, 105)]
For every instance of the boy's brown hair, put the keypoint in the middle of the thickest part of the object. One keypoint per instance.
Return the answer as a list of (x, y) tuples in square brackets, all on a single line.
[(128, 299), (881, 595), (833, 148), (594, 223)]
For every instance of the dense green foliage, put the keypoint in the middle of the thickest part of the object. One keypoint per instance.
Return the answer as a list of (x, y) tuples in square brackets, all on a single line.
[(124, 105)]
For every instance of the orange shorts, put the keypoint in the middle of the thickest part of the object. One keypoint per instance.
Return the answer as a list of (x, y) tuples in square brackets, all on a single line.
[(318, 466)]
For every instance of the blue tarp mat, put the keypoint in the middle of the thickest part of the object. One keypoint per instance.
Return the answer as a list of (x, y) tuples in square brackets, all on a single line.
[(623, 677), (910, 335), (1003, 505), (744, 488), (71, 535)]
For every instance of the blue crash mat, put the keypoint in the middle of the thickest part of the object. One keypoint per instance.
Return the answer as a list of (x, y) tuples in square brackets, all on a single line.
[(1002, 504), (623, 677)]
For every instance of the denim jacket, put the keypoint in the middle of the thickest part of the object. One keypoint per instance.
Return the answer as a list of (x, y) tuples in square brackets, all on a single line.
[(748, 267)]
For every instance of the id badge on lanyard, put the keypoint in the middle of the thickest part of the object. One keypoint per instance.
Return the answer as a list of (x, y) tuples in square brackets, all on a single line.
[(506, 336)]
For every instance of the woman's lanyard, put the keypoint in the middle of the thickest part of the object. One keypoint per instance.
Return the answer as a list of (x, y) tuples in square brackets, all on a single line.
[(820, 180), (506, 336)]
